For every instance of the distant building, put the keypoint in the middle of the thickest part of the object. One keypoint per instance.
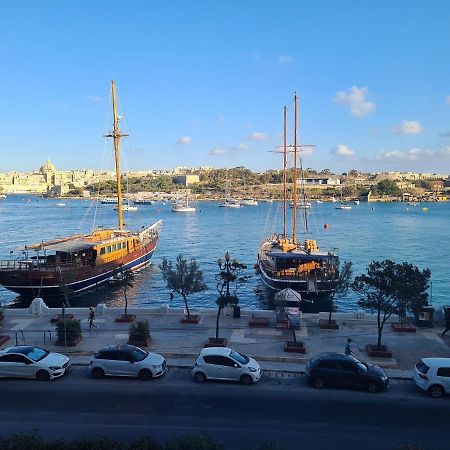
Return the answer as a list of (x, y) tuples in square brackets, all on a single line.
[(321, 181), (186, 180)]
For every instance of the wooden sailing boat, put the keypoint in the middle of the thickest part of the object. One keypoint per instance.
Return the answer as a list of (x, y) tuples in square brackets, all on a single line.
[(83, 261), (283, 262)]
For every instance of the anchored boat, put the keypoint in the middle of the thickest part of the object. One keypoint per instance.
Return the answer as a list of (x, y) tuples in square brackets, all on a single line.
[(283, 261), (85, 261)]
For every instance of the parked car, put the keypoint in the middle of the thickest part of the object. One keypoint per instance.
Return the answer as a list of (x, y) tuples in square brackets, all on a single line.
[(25, 361), (127, 361), (221, 363), (433, 376), (338, 369)]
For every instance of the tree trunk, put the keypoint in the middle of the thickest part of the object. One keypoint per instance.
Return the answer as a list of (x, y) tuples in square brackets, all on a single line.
[(219, 309), (187, 307), (331, 309), (380, 330), (126, 302)]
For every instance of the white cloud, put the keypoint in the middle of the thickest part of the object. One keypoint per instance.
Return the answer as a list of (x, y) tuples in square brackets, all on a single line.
[(342, 150), (184, 140), (286, 59), (305, 150), (242, 146), (408, 127), (412, 155), (221, 119), (217, 151), (355, 99), (447, 100), (258, 136)]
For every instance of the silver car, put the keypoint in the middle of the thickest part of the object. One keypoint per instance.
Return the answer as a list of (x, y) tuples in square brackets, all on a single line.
[(221, 363), (25, 361), (127, 361)]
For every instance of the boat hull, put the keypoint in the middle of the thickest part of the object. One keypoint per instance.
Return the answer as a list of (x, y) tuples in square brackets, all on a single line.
[(41, 283)]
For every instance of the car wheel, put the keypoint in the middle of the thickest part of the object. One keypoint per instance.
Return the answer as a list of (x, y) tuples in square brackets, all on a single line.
[(373, 387), (199, 377), (97, 373), (436, 391), (145, 374), (43, 375), (319, 382), (246, 380)]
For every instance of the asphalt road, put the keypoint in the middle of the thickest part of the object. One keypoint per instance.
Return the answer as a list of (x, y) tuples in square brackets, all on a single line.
[(284, 410)]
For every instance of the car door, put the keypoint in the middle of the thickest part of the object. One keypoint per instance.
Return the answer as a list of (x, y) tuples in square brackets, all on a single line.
[(6, 365), (228, 369), (443, 374), (113, 365), (211, 366), (328, 370), (16, 365), (350, 375), (129, 367)]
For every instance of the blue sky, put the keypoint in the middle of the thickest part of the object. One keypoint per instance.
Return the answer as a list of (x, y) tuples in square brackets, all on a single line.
[(205, 82)]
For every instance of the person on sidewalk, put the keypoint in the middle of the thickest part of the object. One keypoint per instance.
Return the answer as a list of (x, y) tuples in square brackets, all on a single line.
[(348, 349), (91, 318)]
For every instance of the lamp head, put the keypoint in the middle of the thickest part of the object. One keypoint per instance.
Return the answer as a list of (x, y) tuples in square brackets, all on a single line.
[(227, 256)]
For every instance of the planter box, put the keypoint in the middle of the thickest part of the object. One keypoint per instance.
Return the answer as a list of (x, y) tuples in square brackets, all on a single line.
[(3, 339), (59, 317), (374, 352), (259, 322), (324, 324), (139, 343), (192, 319), (69, 343), (403, 328), (126, 318), (213, 342), (294, 347)]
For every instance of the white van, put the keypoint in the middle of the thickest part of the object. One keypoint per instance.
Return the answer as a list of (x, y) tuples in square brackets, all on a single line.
[(433, 375)]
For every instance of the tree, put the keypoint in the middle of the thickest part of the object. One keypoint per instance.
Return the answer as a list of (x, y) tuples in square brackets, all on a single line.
[(389, 288), (377, 292), (388, 187), (411, 285), (125, 277), (185, 278), (230, 274), (342, 285)]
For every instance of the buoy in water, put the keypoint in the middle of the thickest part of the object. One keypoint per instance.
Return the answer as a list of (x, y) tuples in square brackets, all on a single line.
[(424, 209), (326, 225)]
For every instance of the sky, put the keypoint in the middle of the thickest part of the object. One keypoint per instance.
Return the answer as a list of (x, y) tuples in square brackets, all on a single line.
[(204, 83)]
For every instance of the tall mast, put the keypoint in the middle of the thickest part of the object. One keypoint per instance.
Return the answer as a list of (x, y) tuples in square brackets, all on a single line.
[(284, 173), (294, 230), (116, 135)]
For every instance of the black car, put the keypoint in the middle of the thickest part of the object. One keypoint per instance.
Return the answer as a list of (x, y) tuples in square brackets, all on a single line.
[(337, 369)]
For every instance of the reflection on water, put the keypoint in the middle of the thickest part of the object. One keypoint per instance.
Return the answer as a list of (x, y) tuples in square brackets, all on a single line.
[(365, 233)]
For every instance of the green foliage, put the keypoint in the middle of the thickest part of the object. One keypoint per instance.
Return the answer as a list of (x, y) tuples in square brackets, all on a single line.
[(139, 331), (193, 442), (145, 443), (185, 278), (388, 187), (389, 288), (68, 330), (342, 285)]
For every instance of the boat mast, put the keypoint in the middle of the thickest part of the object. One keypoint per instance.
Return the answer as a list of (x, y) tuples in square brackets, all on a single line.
[(284, 173), (116, 135), (294, 230)]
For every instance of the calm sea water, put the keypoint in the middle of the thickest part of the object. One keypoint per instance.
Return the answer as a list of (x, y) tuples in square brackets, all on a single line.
[(366, 232)]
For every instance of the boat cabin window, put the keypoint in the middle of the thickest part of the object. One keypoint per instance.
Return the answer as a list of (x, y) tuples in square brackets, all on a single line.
[(108, 249), (102, 251), (286, 263), (114, 247)]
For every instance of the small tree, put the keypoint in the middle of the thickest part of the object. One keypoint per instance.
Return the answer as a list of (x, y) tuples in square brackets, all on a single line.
[(376, 289), (125, 277), (185, 278), (411, 285), (230, 274), (342, 285), (68, 331), (139, 331)]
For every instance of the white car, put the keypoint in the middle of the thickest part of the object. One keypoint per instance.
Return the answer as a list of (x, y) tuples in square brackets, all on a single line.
[(127, 361), (433, 376), (25, 361), (221, 363)]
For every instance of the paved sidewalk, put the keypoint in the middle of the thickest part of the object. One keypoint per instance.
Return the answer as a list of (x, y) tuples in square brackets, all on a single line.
[(181, 343)]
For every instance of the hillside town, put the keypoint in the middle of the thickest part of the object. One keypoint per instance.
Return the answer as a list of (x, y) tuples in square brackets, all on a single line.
[(209, 183)]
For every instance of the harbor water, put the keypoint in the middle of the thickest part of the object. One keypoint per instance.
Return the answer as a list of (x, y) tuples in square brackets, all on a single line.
[(367, 232)]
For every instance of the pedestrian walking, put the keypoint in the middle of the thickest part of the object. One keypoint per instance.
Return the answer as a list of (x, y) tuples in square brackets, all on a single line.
[(348, 349), (91, 317)]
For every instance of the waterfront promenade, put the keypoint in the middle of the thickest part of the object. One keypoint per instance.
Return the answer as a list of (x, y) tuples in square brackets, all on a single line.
[(181, 343)]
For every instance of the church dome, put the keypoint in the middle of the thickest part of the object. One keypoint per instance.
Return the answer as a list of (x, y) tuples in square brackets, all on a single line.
[(47, 167)]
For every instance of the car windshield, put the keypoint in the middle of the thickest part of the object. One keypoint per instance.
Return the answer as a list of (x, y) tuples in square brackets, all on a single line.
[(138, 354), (36, 353), (239, 357)]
